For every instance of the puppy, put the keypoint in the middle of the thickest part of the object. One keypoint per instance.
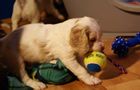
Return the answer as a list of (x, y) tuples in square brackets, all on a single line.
[(31, 10), (42, 43)]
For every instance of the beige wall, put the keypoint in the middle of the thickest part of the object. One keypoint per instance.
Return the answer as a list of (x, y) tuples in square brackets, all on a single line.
[(110, 17)]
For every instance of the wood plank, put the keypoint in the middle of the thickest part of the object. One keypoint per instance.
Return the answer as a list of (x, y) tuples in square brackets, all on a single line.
[(131, 85), (75, 85)]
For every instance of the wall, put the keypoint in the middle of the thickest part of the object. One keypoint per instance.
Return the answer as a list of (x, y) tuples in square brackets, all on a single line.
[(114, 21)]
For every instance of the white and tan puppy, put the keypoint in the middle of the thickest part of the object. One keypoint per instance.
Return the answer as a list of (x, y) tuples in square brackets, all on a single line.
[(43, 43), (31, 10)]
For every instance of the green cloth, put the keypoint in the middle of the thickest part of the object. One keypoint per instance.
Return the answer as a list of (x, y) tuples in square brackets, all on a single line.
[(47, 73), (16, 84)]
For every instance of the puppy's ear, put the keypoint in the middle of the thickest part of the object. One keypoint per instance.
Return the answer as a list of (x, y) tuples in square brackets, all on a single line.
[(79, 39)]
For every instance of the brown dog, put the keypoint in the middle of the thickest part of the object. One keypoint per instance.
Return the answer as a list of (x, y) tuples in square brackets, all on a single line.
[(31, 10)]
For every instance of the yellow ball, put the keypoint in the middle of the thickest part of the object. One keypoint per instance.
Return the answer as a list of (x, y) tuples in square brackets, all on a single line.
[(95, 61)]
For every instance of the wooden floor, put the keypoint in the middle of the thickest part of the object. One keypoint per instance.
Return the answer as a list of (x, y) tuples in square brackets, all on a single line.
[(112, 78)]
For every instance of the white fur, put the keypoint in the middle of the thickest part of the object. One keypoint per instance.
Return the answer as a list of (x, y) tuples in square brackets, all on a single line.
[(31, 10), (43, 43)]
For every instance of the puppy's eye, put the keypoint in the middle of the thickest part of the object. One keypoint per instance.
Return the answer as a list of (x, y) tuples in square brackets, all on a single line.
[(93, 40)]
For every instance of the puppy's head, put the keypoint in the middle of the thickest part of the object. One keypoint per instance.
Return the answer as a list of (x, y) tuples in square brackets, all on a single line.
[(85, 36)]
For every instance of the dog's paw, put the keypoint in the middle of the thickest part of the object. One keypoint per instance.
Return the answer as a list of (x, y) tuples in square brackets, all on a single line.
[(92, 80), (38, 85), (61, 17)]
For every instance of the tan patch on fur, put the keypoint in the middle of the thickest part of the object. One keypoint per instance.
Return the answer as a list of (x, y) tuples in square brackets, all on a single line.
[(41, 46), (22, 47), (79, 39)]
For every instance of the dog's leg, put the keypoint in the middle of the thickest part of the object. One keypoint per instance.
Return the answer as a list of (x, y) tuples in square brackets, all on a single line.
[(28, 81), (80, 72), (52, 10), (16, 63), (36, 18), (16, 16)]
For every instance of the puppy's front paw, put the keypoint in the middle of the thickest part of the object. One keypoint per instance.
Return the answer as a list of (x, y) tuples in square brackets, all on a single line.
[(61, 17), (38, 85), (92, 80)]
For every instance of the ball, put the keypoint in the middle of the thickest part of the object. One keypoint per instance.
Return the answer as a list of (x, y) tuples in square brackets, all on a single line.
[(95, 61)]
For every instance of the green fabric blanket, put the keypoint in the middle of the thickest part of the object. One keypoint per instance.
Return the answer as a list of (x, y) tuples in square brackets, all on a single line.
[(47, 73)]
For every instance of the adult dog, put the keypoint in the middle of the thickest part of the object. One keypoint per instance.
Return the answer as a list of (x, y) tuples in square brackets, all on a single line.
[(31, 10), (42, 43)]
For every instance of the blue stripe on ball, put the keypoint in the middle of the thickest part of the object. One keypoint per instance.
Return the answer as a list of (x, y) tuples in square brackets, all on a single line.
[(93, 67)]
